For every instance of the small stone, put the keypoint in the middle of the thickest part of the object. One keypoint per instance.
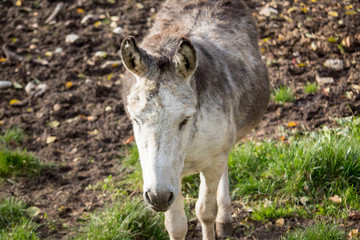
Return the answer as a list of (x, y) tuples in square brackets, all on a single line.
[(71, 38), (334, 64), (108, 108), (113, 24), (32, 46), (58, 50), (118, 30), (268, 11), (324, 80), (57, 107), (280, 222), (29, 87), (100, 54), (48, 54), (336, 199), (114, 18), (5, 84)]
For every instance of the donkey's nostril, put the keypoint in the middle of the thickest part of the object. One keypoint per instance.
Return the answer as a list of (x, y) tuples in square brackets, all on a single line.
[(171, 198), (147, 198)]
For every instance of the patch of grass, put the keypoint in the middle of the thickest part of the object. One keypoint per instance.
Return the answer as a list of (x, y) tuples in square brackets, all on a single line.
[(11, 211), (125, 219), (275, 210), (311, 88), (13, 134), (313, 167), (319, 231), (14, 222), (283, 94), (18, 163), (24, 229)]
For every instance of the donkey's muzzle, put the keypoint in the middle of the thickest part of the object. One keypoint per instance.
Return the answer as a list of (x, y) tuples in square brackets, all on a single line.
[(160, 201)]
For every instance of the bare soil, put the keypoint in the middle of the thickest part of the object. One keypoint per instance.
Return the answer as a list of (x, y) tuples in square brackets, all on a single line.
[(83, 91)]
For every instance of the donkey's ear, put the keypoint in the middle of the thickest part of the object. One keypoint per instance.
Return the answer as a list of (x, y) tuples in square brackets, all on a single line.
[(185, 59), (133, 57)]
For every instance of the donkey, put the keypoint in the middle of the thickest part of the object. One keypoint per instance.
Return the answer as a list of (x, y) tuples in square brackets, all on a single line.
[(194, 87)]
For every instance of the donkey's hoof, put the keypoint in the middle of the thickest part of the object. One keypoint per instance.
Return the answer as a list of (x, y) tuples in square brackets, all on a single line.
[(224, 229)]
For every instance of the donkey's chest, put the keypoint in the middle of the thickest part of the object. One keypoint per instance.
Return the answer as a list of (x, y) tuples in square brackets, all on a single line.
[(212, 141)]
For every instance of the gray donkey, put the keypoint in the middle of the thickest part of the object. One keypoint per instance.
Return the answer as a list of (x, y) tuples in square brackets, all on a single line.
[(195, 86)]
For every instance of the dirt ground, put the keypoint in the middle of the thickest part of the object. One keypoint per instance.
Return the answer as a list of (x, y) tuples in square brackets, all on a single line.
[(73, 112)]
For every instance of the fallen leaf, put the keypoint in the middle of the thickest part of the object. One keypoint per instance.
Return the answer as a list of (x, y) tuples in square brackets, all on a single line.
[(333, 13), (354, 233), (302, 65), (129, 140), (332, 40), (292, 124), (314, 46), (80, 10), (18, 3), (97, 23), (280, 222), (346, 42), (2, 59), (14, 101), (140, 5), (349, 7), (54, 124), (90, 118), (352, 12), (2, 122), (94, 132), (48, 54), (290, 10), (335, 199), (17, 85), (68, 85), (32, 211), (304, 10), (109, 77), (50, 139)]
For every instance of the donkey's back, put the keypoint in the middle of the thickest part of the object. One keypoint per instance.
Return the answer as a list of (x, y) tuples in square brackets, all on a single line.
[(196, 85)]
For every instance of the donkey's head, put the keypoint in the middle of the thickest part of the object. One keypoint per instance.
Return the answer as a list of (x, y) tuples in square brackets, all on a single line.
[(161, 106)]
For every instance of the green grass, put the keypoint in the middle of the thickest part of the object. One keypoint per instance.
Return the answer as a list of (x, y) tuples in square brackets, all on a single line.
[(125, 219), (313, 167), (12, 135), (283, 94), (274, 210), (319, 231), (14, 221), (16, 162), (311, 88)]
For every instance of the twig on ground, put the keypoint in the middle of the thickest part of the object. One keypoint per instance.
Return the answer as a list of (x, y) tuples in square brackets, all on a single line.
[(11, 55), (57, 9)]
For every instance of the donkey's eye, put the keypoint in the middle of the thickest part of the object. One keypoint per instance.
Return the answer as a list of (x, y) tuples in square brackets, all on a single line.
[(183, 123)]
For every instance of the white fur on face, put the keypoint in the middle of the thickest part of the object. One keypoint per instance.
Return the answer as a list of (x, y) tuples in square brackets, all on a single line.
[(162, 145)]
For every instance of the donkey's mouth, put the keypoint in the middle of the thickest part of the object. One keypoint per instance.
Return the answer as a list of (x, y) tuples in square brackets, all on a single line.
[(156, 209)]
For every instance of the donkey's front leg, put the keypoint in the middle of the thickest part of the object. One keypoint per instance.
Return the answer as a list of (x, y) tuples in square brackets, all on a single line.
[(175, 219), (224, 218), (206, 207)]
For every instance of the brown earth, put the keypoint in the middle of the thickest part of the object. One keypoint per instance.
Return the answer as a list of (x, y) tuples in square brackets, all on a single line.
[(83, 109)]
